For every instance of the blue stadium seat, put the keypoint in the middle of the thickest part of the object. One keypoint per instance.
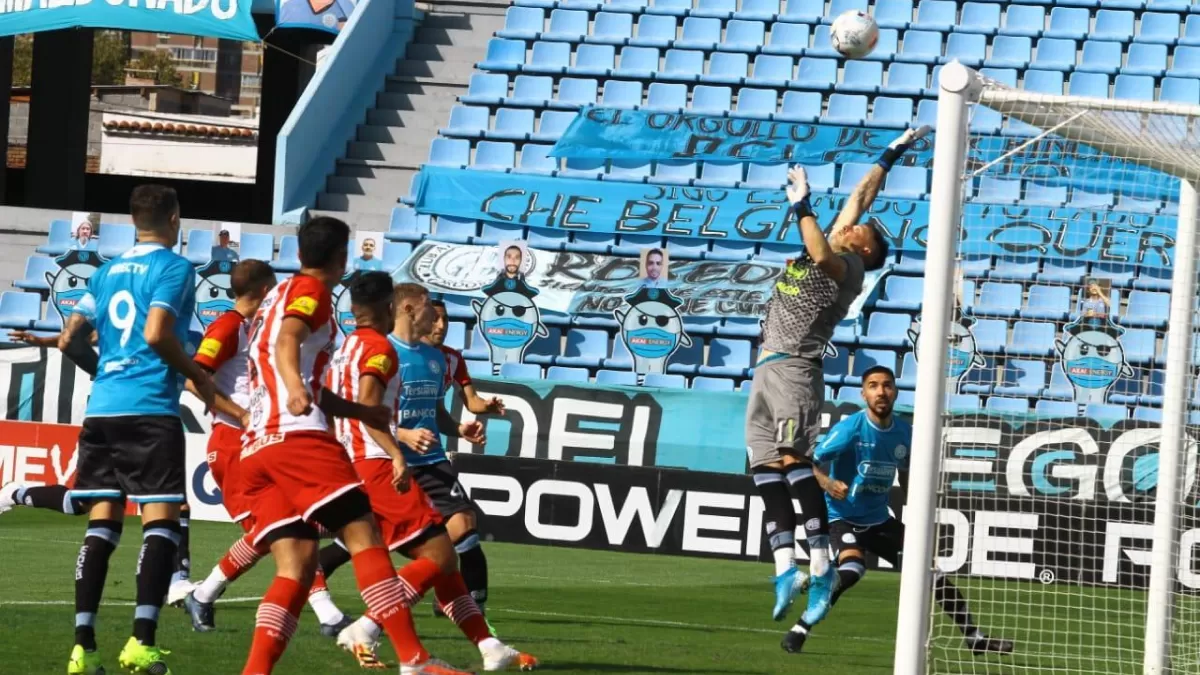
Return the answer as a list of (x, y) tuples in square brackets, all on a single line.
[(846, 332), (1027, 20), (522, 23), (654, 31), (1044, 81), (839, 7), (906, 79), (19, 310), (860, 76), (1018, 269), (621, 94), (907, 182), (1148, 59), (1159, 27), (886, 330), (661, 381), (585, 348), (687, 248), (819, 74), (820, 176), (907, 377), (1002, 404), (1186, 63), (116, 239), (544, 350), (911, 262), (670, 7), (803, 11), (896, 113), (732, 250), (636, 62), (1134, 87), (1052, 408), (1022, 377), (720, 9), (991, 335), (261, 246), (682, 65), (937, 15), (974, 266), (789, 39), (551, 58), (998, 190), (1088, 84), (979, 17), (199, 246), (535, 159), (699, 33), (846, 109), (906, 398), (801, 106), (567, 25), (687, 360), (706, 326), (1106, 411), (616, 378), (575, 92), (479, 367), (709, 99), (893, 13), (456, 335), (611, 28), (886, 47), (1101, 57), (495, 155), (727, 68), (1053, 54), (37, 267), (479, 348), (743, 327), (673, 172), (1153, 278), (968, 48), (594, 59), (662, 96), (52, 324), (836, 368), (1071, 23), (629, 171), (551, 126), (492, 233), (457, 230), (1060, 388), (1128, 390), (852, 173), (962, 402), (758, 10), (1148, 414), (985, 121), (765, 176), (1154, 389), (1031, 338), (921, 46), (563, 374), (996, 299), (534, 91), (520, 371), (486, 88), (1146, 309), (743, 36), (395, 253), (771, 70), (901, 293), (504, 55), (632, 244), (450, 152), (1111, 24), (59, 240), (869, 358), (1119, 274), (514, 124), (1050, 303), (1191, 31), (718, 384)]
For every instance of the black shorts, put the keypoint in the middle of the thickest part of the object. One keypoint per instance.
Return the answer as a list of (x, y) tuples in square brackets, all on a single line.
[(440, 483), (139, 457), (885, 540)]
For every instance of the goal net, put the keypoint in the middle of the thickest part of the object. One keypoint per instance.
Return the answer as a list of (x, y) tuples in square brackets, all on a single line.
[(1056, 503)]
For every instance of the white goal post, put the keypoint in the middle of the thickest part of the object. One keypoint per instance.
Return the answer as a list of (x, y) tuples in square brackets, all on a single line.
[(1160, 136)]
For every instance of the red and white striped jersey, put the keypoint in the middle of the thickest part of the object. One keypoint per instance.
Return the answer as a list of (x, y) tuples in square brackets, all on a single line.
[(366, 352), (223, 352), (456, 368), (305, 298)]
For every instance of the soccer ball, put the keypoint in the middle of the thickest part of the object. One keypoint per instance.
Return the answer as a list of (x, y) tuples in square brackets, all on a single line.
[(854, 34)]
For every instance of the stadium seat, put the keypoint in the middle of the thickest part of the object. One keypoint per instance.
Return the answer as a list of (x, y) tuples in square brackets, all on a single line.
[(846, 109), (718, 384), (1094, 85), (896, 14), (1025, 20), (1003, 404), (979, 17), (907, 182), (523, 23), (1051, 408), (520, 371), (1158, 27), (457, 309), (1116, 25), (836, 368), (846, 332), (727, 358), (892, 112), (887, 330), (803, 11), (1134, 87), (1010, 51), (504, 55), (36, 269), (535, 159), (457, 230), (492, 232), (479, 367), (997, 299), (261, 246), (743, 36), (1191, 31), (52, 324), (720, 174), (975, 266), (1101, 57), (567, 25), (801, 106), (1050, 303), (1053, 54), (574, 92), (637, 63), (819, 74), (116, 239), (654, 31), (1022, 377), (687, 360), (670, 7), (968, 48), (495, 155), (1146, 309), (699, 33), (1071, 23), (743, 327), (662, 381), (905, 398), (1154, 389), (962, 402), (1106, 412), (868, 358), (594, 59), (787, 39), (550, 58), (901, 293), (981, 379), (758, 10), (1062, 272), (562, 374), (991, 335), (585, 348), (732, 251), (1148, 414), (1031, 338), (59, 240), (939, 15), (1150, 59), (551, 126), (1152, 278), (199, 246), (616, 378), (1045, 194), (611, 28), (1060, 388), (906, 79), (20, 310), (921, 46), (629, 171), (1128, 390), (670, 172), (544, 350), (907, 377), (757, 102), (765, 176), (720, 9), (713, 100), (1044, 82), (1140, 346), (771, 70), (727, 68), (857, 76)]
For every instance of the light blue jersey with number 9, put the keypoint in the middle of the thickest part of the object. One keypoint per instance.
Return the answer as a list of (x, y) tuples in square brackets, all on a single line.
[(131, 379)]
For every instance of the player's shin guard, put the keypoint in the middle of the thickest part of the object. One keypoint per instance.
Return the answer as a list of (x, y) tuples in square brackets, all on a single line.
[(460, 607), (160, 539), (473, 565), (51, 498), (384, 594), (183, 552), (816, 516), (91, 571), (953, 604), (851, 569), (276, 621), (779, 516)]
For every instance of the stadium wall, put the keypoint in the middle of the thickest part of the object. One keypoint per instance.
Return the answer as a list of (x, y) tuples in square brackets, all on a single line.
[(347, 79)]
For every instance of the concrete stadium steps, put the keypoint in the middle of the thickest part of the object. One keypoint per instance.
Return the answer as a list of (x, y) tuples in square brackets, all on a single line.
[(393, 141)]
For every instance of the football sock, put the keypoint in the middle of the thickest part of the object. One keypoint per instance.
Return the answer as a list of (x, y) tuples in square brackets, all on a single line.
[(183, 553), (779, 516), (850, 570), (384, 594), (276, 621), (160, 538), (473, 565), (452, 595), (322, 602), (50, 497), (91, 571), (953, 604), (239, 559), (417, 577), (816, 516)]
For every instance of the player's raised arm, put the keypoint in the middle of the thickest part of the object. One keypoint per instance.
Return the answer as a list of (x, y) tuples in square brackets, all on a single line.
[(868, 188)]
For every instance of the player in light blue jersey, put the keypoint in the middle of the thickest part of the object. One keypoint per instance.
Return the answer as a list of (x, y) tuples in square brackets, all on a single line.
[(132, 443), (862, 457)]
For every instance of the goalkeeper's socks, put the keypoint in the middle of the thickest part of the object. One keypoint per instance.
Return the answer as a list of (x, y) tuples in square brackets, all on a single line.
[(474, 566), (50, 497), (779, 516), (812, 505), (952, 602)]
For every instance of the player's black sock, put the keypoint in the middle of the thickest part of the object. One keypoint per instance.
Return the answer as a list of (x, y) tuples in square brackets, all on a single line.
[(183, 554), (51, 497), (160, 539), (953, 604), (473, 565), (779, 514), (812, 508), (850, 570), (332, 557), (91, 571)]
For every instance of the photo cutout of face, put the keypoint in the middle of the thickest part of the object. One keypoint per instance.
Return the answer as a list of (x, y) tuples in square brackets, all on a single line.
[(1095, 299), (227, 238), (654, 268), (369, 252), (85, 229), (513, 259)]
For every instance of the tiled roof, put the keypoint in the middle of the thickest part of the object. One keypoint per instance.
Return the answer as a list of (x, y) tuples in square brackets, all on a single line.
[(178, 129)]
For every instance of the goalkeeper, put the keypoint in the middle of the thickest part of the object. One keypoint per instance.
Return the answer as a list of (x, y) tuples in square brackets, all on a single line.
[(865, 451)]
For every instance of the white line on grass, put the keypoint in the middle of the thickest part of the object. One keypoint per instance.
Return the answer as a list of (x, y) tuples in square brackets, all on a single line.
[(19, 603)]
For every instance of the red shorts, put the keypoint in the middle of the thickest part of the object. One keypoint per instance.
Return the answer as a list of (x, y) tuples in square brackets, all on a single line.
[(287, 480), (224, 447), (402, 516)]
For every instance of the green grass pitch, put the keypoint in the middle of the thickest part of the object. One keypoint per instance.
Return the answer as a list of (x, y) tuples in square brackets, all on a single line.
[(578, 611)]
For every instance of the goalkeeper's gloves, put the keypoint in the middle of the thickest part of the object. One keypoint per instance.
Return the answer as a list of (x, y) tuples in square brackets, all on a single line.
[(900, 146), (798, 192)]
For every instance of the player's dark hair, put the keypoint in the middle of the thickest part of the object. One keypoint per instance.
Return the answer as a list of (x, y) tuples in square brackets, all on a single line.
[(654, 251), (151, 206), (251, 275), (514, 247), (879, 251), (407, 291), (371, 289), (874, 370), (322, 240), (438, 303)]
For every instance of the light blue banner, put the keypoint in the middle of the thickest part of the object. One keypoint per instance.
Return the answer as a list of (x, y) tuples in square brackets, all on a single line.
[(646, 135), (213, 18), (762, 216), (326, 15)]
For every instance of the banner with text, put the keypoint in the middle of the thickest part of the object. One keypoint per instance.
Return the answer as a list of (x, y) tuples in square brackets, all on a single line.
[(228, 19), (762, 216), (646, 135)]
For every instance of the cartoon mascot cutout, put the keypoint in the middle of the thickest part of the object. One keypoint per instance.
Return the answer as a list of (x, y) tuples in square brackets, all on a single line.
[(508, 319), (961, 355), (1092, 359), (341, 304), (652, 328), (214, 291), (69, 284)]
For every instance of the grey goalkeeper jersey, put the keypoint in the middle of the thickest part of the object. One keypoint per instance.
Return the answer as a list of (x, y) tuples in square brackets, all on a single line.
[(806, 305)]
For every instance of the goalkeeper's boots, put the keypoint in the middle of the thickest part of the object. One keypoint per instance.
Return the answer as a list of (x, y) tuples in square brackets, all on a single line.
[(980, 644), (84, 662), (8, 495), (138, 658), (787, 585), (201, 613), (820, 595), (793, 640)]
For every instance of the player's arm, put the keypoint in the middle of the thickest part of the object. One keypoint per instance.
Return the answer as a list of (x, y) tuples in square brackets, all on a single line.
[(292, 333), (222, 404), (471, 431), (172, 292), (218, 346), (375, 417), (904, 484), (836, 488), (868, 187), (840, 439), (471, 399)]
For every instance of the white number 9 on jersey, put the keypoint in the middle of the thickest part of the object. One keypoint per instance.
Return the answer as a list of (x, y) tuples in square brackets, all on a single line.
[(122, 311)]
